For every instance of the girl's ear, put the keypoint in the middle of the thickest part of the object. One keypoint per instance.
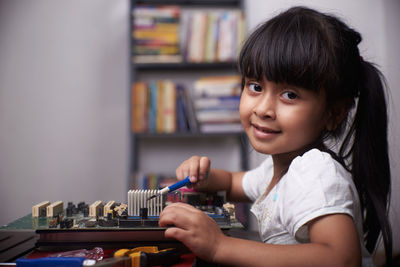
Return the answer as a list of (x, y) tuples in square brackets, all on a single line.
[(337, 113)]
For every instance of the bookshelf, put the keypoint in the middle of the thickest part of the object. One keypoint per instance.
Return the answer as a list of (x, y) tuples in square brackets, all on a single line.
[(185, 72)]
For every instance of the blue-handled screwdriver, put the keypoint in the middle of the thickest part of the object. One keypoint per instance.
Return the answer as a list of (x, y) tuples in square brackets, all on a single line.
[(173, 187)]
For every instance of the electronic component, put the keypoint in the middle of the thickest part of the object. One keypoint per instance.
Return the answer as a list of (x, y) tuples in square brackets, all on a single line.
[(54, 208), (66, 223), (138, 199), (39, 210), (121, 210), (107, 207), (96, 208)]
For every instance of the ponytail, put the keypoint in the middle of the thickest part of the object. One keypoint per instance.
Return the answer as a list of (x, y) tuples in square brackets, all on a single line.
[(370, 159)]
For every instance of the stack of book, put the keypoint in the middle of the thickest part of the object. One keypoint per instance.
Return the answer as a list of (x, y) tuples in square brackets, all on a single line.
[(212, 36), (161, 107), (216, 101), (154, 181), (166, 107), (156, 34)]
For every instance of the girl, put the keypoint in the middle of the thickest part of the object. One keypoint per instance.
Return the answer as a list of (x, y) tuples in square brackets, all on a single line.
[(302, 75)]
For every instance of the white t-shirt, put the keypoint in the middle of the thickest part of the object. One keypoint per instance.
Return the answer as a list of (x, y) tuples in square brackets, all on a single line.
[(314, 185)]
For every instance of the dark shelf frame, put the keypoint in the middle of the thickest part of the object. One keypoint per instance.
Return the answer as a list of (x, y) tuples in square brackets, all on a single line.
[(186, 66), (225, 3), (187, 135), (183, 66), (240, 136)]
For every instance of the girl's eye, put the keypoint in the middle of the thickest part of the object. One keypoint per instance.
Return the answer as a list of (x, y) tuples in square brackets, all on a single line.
[(289, 95), (255, 87)]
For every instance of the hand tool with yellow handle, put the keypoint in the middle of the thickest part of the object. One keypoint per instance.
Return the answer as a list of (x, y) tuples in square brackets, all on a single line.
[(141, 257)]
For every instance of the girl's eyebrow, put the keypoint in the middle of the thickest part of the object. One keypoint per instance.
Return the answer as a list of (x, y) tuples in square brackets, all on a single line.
[(290, 86)]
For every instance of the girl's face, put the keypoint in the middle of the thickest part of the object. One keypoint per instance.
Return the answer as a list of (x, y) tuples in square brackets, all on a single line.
[(281, 119)]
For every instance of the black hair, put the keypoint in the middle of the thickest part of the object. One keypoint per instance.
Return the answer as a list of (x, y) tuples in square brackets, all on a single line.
[(317, 51)]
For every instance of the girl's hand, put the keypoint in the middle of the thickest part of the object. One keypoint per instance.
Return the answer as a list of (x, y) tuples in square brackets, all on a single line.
[(197, 168), (193, 228)]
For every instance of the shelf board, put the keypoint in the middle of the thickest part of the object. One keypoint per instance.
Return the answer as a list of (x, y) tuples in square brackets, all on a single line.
[(185, 66), (186, 135), (233, 3)]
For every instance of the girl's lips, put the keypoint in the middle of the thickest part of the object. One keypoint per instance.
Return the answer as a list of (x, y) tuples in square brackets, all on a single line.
[(265, 129), (264, 133)]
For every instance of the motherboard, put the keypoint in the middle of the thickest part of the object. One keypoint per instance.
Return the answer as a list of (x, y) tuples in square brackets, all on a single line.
[(109, 221)]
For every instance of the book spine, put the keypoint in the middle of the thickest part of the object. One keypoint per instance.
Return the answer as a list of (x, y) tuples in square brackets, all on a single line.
[(197, 36), (182, 119), (152, 107), (160, 107), (139, 107), (169, 107)]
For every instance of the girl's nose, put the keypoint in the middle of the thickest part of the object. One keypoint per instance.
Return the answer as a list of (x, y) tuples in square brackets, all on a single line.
[(265, 107)]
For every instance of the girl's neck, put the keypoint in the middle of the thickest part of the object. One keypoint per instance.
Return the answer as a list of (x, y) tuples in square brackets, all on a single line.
[(282, 161), (281, 164)]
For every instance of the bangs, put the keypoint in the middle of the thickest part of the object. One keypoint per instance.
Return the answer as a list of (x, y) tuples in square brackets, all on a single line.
[(290, 49)]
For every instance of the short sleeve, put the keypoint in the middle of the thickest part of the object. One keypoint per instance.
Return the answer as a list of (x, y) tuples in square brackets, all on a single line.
[(315, 185), (255, 181)]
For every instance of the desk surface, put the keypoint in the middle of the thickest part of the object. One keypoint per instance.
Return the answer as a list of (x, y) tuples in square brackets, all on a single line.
[(16, 243), (19, 243)]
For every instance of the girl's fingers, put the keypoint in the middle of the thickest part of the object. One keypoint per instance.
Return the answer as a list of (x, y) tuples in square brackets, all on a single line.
[(183, 170), (180, 210), (179, 173), (194, 168), (180, 205), (192, 227), (204, 168), (176, 233), (179, 214)]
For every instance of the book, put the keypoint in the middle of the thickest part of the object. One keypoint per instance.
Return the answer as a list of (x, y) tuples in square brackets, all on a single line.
[(159, 107), (168, 11), (169, 107), (182, 120), (234, 127), (216, 101), (215, 86), (156, 33), (189, 110), (226, 50), (152, 107), (155, 49), (211, 36), (154, 181), (218, 116), (196, 44), (161, 58), (139, 107), (162, 107)]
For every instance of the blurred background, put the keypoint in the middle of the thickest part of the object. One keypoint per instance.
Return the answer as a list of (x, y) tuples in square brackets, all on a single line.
[(65, 97)]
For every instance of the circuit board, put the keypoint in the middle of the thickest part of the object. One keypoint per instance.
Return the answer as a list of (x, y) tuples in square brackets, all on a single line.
[(136, 221)]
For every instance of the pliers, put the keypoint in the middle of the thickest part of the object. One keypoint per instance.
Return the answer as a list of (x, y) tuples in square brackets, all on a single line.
[(136, 257), (141, 257)]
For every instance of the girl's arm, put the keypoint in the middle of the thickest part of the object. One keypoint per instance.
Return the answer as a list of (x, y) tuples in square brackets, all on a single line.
[(212, 180), (334, 241)]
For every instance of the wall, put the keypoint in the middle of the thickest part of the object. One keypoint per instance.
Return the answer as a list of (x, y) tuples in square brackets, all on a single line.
[(64, 95)]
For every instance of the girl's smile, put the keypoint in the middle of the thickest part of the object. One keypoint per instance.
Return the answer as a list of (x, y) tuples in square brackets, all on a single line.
[(281, 119), (264, 132)]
